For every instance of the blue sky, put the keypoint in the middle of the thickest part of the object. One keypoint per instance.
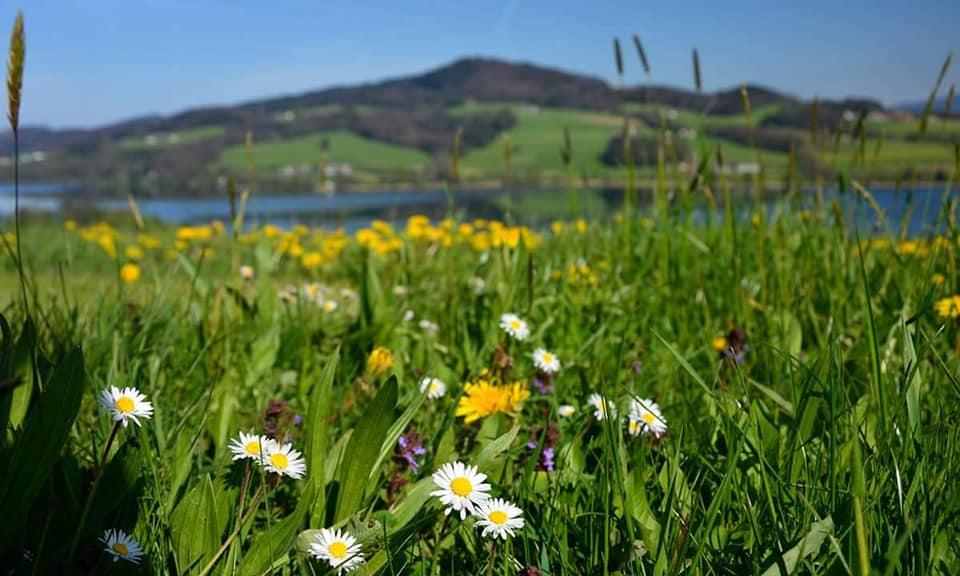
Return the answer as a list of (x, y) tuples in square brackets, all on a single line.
[(96, 61)]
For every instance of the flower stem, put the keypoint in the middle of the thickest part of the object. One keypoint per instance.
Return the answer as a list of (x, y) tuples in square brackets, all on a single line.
[(436, 547), (101, 464), (236, 531), (493, 557)]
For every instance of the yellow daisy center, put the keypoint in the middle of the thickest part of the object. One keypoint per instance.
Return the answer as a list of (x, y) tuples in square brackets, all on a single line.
[(649, 418), (515, 324), (434, 387), (634, 425), (548, 358), (253, 447), (498, 517), (125, 404), (120, 548), (279, 460), (338, 549), (461, 486)]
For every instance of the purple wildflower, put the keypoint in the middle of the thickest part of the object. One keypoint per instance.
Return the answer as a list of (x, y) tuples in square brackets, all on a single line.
[(542, 386), (409, 447)]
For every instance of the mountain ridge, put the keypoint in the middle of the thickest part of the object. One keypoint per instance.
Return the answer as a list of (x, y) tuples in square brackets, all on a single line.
[(438, 79)]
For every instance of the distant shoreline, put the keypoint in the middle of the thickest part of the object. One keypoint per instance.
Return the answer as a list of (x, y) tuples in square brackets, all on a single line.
[(738, 184)]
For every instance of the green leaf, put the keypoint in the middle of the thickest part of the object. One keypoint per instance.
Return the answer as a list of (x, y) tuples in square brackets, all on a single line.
[(806, 548), (686, 365), (201, 286), (275, 542), (639, 507), (363, 448), (263, 355), (396, 430), (22, 368), (911, 368), (35, 452), (787, 332), (194, 526), (488, 455), (317, 433), (411, 503)]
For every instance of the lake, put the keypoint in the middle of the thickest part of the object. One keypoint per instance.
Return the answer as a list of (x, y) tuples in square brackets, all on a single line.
[(918, 208)]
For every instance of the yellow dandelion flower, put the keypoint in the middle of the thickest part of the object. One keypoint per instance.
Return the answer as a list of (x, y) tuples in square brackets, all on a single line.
[(719, 344), (938, 279), (311, 260), (130, 273), (149, 242), (379, 361), (134, 252), (481, 399), (949, 307)]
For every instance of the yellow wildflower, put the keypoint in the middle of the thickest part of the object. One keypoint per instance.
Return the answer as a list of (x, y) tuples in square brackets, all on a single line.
[(379, 361), (720, 344), (311, 260), (149, 242), (949, 307), (481, 399), (130, 273), (134, 252)]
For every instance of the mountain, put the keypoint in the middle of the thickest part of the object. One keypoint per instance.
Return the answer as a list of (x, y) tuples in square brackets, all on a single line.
[(421, 113)]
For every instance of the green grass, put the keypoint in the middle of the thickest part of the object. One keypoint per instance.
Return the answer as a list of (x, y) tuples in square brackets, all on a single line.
[(344, 147), (536, 142), (168, 139), (830, 449)]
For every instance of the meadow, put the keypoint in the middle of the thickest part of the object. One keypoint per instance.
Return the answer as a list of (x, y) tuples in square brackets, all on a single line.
[(772, 393)]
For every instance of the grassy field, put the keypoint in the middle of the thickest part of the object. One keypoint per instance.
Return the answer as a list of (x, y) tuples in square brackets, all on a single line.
[(537, 138), (344, 147), (167, 139), (782, 394)]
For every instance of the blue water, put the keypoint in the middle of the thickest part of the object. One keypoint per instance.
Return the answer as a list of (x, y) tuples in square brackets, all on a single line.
[(919, 209)]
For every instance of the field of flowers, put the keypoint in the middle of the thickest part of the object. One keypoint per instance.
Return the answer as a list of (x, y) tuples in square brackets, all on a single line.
[(768, 392)]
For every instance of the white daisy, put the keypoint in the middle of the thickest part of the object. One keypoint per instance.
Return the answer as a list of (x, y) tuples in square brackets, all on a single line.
[(428, 326), (478, 284), (247, 273), (434, 387), (499, 518), (514, 326), (120, 545), (311, 293), (125, 405), (251, 446), (566, 411), (602, 408), (337, 548), (408, 315), (284, 460), (288, 294), (645, 417), (545, 361), (462, 487), (329, 305)]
